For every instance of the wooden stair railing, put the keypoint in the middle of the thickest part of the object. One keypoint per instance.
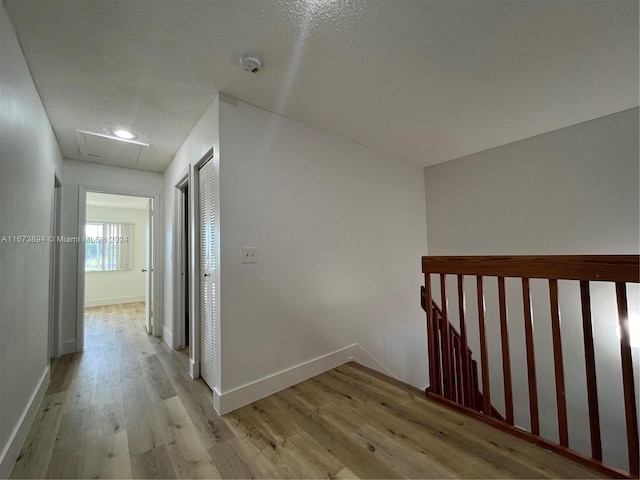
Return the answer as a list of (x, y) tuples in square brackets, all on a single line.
[(465, 369), (453, 373)]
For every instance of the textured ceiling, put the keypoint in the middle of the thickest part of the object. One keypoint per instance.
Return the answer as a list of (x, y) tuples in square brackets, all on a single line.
[(427, 81)]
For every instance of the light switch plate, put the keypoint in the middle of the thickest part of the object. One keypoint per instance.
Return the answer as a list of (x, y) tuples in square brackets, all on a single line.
[(249, 255)]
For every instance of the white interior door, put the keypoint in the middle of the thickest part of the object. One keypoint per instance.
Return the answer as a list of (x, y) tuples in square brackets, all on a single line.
[(148, 270), (208, 247)]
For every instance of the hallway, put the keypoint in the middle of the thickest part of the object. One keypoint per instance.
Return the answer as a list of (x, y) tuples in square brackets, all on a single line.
[(127, 408), (113, 412)]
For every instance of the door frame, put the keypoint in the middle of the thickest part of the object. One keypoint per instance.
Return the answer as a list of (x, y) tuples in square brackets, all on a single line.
[(149, 267), (181, 256), (55, 332), (157, 255)]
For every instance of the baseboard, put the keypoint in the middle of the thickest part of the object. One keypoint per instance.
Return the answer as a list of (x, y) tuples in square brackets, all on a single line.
[(217, 400), (226, 402), (194, 371), (363, 357), (12, 449), (100, 302), (167, 336), (68, 346)]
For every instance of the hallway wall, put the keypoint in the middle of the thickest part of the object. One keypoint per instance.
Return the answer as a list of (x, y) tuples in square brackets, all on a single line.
[(339, 229), (29, 156)]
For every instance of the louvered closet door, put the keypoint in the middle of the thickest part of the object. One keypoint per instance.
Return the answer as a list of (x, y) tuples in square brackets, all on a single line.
[(208, 311)]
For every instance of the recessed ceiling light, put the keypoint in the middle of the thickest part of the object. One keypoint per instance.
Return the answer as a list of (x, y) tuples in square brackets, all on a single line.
[(124, 133)]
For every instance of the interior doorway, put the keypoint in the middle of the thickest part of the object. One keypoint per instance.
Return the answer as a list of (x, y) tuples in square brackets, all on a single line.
[(54, 274), (182, 240), (117, 255), (185, 263)]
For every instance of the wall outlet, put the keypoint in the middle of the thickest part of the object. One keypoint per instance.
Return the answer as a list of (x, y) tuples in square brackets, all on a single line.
[(249, 255)]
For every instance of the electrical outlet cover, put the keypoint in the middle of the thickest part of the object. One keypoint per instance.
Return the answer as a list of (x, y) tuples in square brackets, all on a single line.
[(249, 255)]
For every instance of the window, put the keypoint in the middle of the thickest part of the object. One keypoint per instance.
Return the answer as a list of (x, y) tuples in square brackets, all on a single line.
[(108, 246)]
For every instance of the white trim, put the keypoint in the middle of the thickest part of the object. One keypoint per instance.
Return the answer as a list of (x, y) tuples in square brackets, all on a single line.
[(82, 219), (54, 332), (19, 434), (180, 242), (225, 402), (68, 346), (194, 271), (99, 302), (363, 357), (168, 337)]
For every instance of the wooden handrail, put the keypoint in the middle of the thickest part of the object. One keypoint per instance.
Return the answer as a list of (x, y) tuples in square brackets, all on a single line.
[(602, 268), (453, 373)]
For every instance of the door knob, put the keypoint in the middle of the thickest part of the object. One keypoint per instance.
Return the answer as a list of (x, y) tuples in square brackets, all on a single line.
[(144, 270), (206, 275)]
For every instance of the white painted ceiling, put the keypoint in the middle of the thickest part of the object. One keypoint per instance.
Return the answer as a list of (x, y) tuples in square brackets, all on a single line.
[(95, 199), (428, 81)]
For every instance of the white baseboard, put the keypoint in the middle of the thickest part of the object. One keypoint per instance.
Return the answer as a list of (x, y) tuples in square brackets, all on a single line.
[(68, 346), (99, 302), (194, 371), (11, 450), (364, 358), (225, 402), (217, 401), (167, 336)]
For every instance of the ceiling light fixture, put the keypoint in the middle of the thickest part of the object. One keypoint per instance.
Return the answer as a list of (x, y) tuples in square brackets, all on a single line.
[(124, 133)]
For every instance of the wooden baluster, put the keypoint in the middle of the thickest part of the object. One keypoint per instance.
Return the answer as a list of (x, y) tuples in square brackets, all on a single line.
[(590, 364), (459, 379), (430, 332), (506, 357), (476, 389), (561, 401), (447, 369), (466, 368), (436, 348), (531, 358), (435, 321), (631, 414), (484, 354), (474, 384), (454, 366)]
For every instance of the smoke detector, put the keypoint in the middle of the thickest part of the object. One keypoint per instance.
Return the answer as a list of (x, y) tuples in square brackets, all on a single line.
[(250, 64)]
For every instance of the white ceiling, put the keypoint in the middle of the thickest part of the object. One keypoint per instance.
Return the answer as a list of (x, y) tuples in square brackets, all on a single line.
[(428, 81), (116, 201)]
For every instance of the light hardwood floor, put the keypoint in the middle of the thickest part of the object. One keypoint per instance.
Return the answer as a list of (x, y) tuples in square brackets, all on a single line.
[(127, 408)]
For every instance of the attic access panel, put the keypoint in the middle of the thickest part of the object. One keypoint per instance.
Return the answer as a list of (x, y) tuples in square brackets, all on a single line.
[(95, 146)]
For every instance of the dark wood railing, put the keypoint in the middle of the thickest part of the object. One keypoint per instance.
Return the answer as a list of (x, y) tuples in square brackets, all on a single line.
[(453, 373)]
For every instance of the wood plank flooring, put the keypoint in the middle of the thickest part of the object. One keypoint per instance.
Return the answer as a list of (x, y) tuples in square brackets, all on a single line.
[(127, 408)]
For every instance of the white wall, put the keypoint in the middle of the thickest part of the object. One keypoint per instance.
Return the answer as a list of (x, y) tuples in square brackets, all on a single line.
[(29, 156), (340, 230), (571, 191), (202, 138), (77, 175), (121, 286)]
